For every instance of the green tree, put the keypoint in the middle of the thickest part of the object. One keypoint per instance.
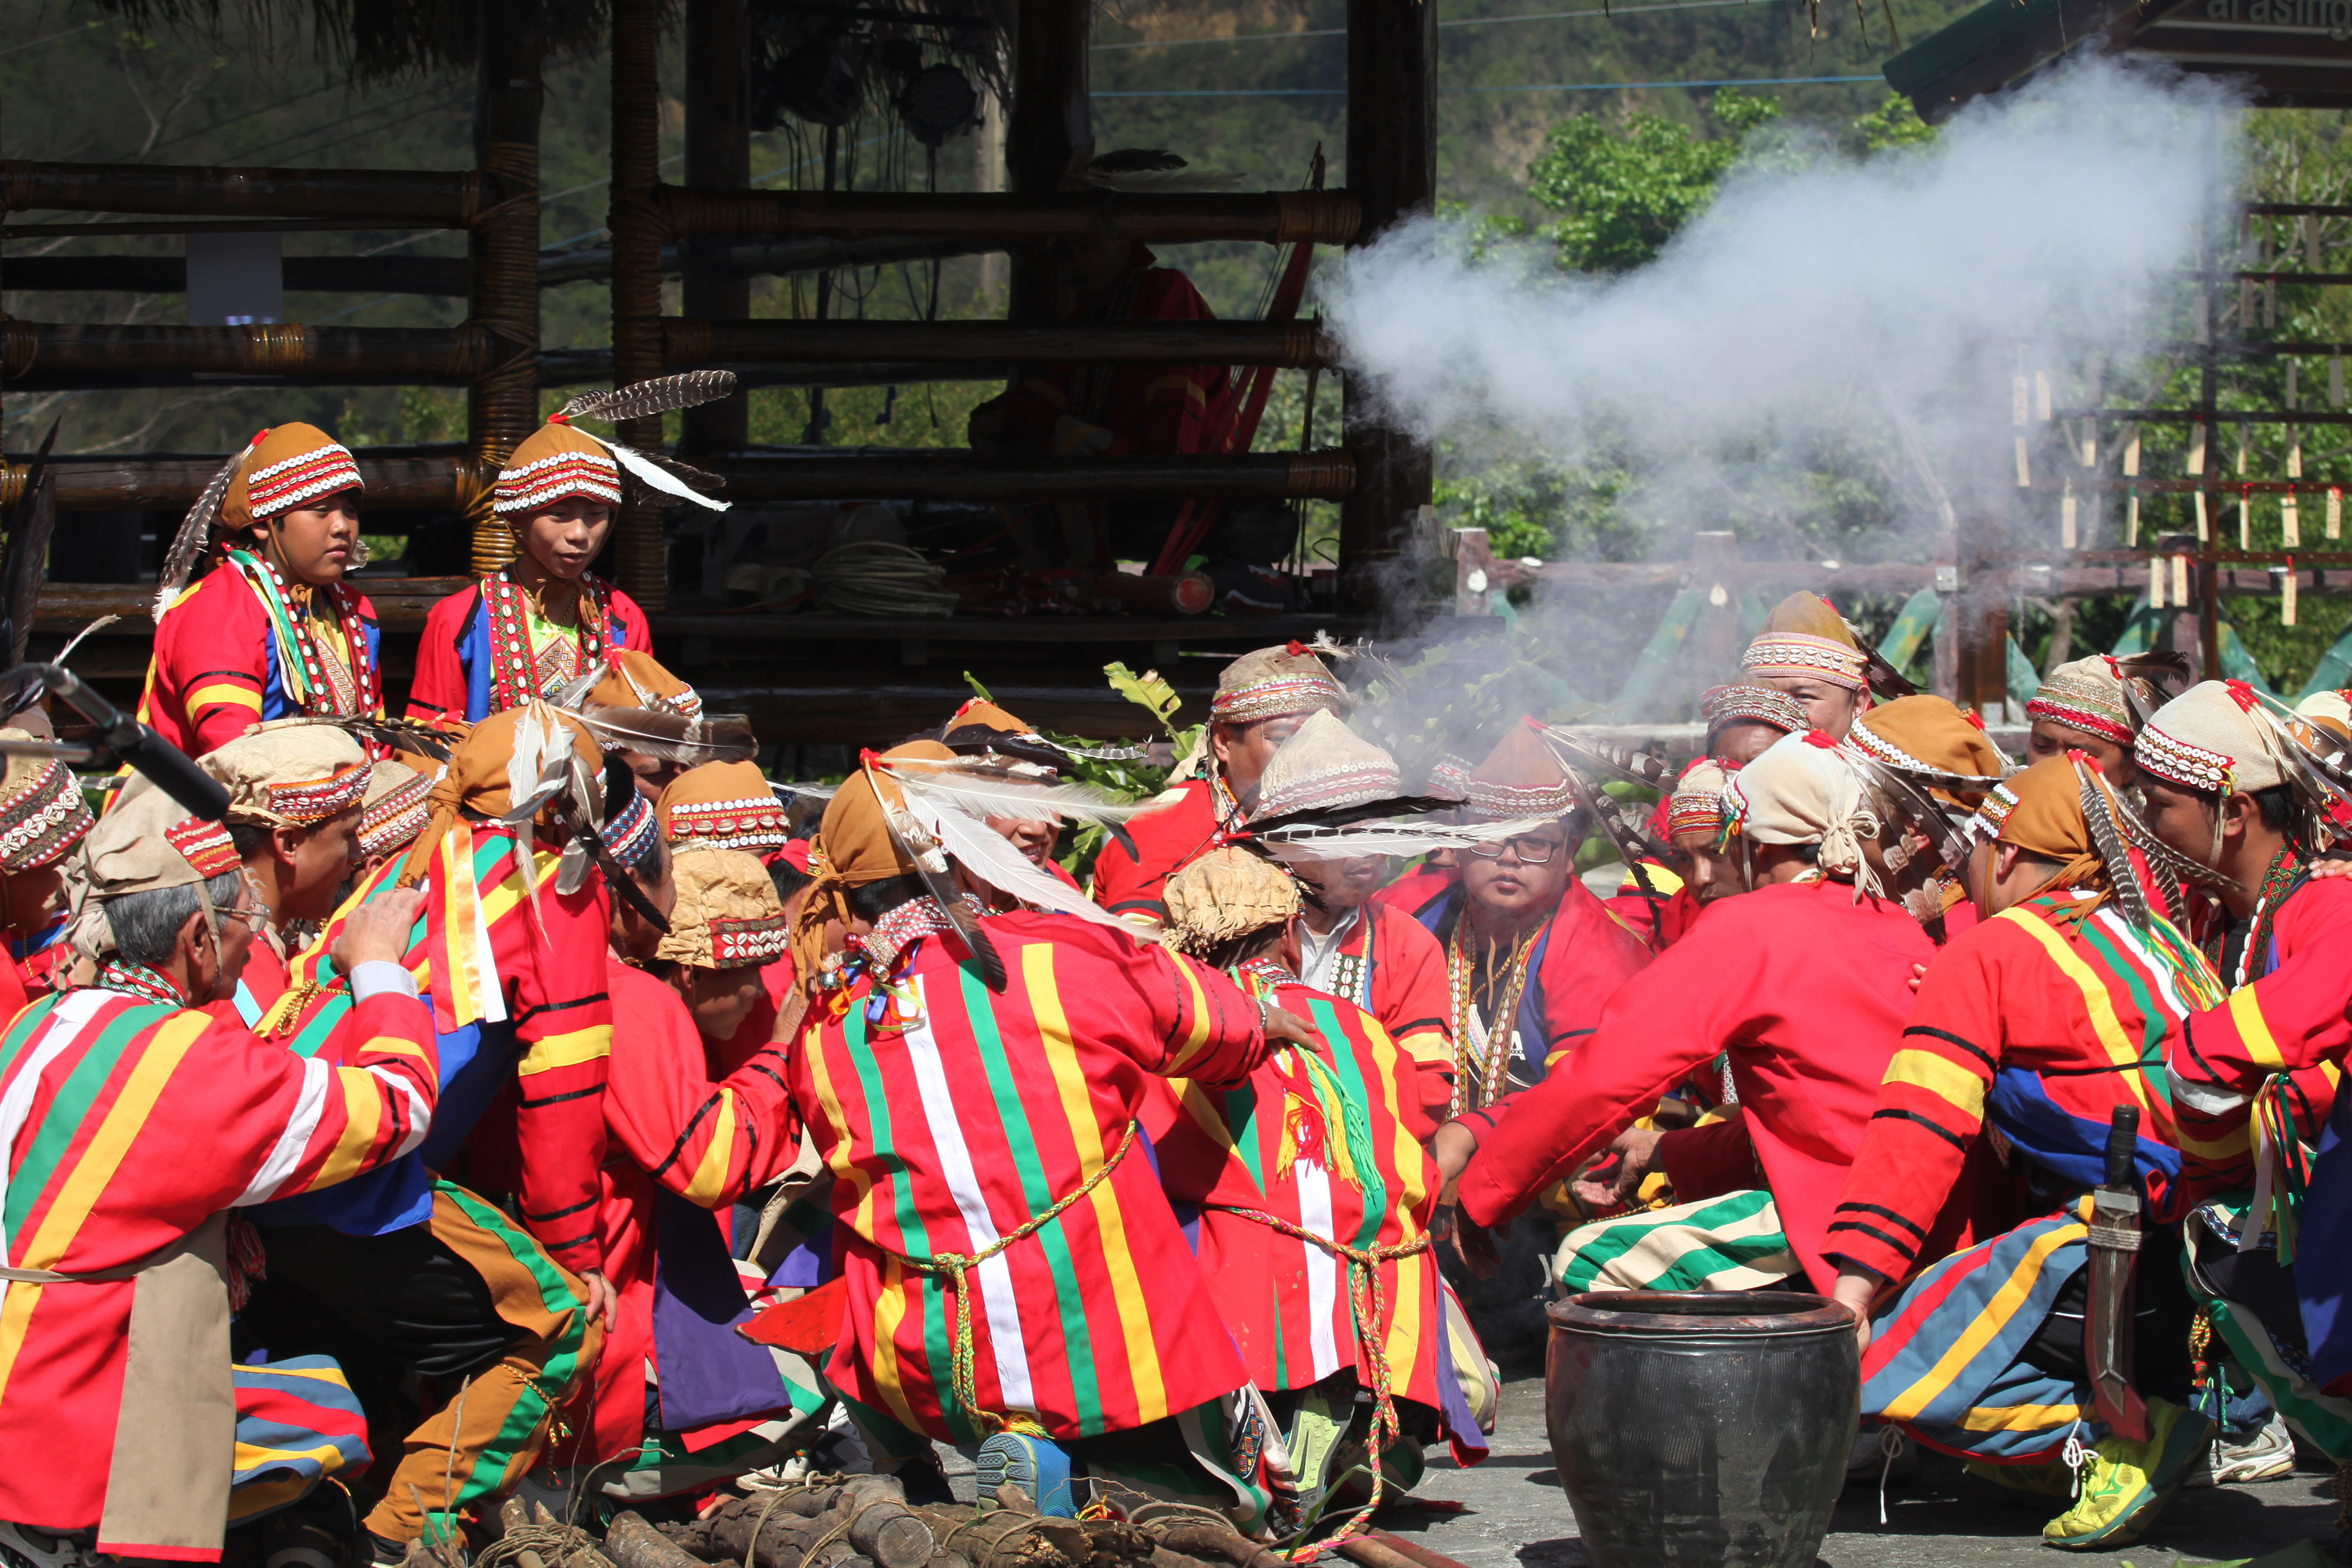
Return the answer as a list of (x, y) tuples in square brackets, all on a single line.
[(1624, 190)]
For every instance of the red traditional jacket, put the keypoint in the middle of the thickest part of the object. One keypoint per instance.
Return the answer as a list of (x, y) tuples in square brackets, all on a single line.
[(684, 1117), (2039, 1022), (1146, 407), (1419, 888), (1807, 991), (1321, 1140), (1166, 840), (14, 995), (124, 1125), (2288, 1015), (952, 1116), (1579, 958), (517, 987), (475, 660), (228, 655), (1390, 965)]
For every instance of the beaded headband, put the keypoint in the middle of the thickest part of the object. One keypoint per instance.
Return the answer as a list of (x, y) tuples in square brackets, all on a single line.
[(1757, 704), (1991, 817), (745, 944), (282, 486), (752, 825), (1504, 802), (42, 820), (397, 818), (1695, 811), (205, 846), (1792, 654), (631, 832), (553, 477), (1276, 698), (316, 799), (2179, 762), (2084, 703)]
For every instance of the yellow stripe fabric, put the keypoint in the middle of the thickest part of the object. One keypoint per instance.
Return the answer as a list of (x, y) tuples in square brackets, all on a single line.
[(1200, 1002), (567, 1050), (1408, 1326), (1988, 1323), (1947, 1080), (92, 1172), (1077, 1108), (2246, 1012), (2120, 1047), (710, 1175), (363, 1113), (222, 694), (891, 1305), (387, 1045)]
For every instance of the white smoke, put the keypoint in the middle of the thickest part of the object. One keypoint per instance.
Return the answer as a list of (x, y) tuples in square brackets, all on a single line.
[(1885, 299)]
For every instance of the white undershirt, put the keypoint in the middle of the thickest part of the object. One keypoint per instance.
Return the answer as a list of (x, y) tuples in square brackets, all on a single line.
[(1318, 956)]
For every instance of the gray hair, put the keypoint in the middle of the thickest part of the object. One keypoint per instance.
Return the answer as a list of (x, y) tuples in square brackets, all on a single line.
[(146, 924)]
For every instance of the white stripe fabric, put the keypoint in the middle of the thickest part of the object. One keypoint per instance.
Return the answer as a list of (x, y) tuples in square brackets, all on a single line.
[(285, 1154), (1314, 1186)]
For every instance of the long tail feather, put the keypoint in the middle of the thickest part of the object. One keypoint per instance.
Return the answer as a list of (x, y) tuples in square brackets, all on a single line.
[(999, 786), (2123, 878), (642, 399), (1633, 766), (1916, 807), (990, 856), (392, 734), (931, 862), (654, 476), (1417, 838), (100, 624), (197, 532), (686, 739)]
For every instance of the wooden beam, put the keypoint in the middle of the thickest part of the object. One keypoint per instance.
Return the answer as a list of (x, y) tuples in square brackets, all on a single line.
[(502, 405), (890, 474), (990, 346), (1392, 171), (1048, 136), (173, 484), (41, 355), (717, 157), (392, 196), (994, 219), (637, 228), (441, 275)]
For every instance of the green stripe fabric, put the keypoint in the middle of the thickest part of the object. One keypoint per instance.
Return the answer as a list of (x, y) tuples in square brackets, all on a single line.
[(1351, 1075), (1609, 1241), (1077, 1340), (75, 1103)]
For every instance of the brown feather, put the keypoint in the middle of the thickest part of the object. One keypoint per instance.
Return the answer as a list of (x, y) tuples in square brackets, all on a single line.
[(643, 400), (685, 738)]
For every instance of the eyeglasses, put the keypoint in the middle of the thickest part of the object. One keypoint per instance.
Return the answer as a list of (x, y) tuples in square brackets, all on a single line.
[(1531, 851), (257, 916)]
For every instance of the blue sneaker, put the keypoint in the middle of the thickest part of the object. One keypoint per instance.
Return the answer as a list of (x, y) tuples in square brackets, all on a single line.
[(1036, 1465)]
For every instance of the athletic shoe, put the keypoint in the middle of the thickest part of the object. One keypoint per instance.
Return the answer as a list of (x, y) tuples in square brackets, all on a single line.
[(22, 1546), (2127, 1485), (1036, 1465), (2052, 1478), (2267, 1455)]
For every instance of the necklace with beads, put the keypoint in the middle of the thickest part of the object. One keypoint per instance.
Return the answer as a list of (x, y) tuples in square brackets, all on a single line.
[(329, 685), (119, 974), (2284, 870), (1483, 1055), (517, 672)]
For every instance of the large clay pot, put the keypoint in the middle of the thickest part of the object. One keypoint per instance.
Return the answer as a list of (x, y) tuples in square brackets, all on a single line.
[(1701, 1428)]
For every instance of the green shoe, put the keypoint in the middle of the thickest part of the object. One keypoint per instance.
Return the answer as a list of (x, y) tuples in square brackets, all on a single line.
[(2050, 1480), (2127, 1483)]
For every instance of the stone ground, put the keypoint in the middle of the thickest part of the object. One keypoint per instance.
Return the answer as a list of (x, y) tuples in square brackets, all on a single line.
[(1519, 1518)]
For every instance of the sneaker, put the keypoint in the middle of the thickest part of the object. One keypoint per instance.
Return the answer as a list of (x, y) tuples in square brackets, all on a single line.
[(2127, 1485), (2266, 1455), (2051, 1478), (1036, 1465), (22, 1546)]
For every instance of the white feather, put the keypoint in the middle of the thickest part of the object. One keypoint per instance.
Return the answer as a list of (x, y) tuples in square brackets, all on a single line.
[(652, 474), (809, 791), (1390, 838), (990, 856), (1001, 789)]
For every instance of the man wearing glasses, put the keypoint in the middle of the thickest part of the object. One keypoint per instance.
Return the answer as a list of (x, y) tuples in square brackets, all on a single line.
[(1531, 957)]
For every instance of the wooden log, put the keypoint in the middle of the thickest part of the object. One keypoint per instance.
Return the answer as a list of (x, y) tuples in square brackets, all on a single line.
[(1218, 1543), (993, 345), (173, 484), (892, 1537), (396, 197), (906, 472), (1001, 1539), (994, 219), (41, 354), (630, 1542), (169, 274)]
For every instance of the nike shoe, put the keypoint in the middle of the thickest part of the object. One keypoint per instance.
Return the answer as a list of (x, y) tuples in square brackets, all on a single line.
[(2266, 1455), (1036, 1465), (2126, 1484)]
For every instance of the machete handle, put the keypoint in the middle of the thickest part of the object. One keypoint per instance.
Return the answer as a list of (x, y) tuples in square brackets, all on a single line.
[(2123, 1144)]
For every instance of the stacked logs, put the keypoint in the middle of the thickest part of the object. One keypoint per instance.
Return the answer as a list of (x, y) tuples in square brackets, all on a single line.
[(866, 1521)]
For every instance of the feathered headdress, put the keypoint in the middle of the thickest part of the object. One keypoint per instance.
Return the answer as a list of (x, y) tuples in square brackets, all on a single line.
[(561, 459)]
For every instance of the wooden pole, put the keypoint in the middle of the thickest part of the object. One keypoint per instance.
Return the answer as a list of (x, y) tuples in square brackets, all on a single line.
[(717, 157), (1392, 171), (42, 354), (948, 475), (637, 233), (503, 405), (986, 218), (1050, 133), (996, 343), (390, 196)]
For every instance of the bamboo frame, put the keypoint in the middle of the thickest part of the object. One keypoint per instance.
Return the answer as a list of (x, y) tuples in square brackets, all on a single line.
[(392, 197), (999, 218)]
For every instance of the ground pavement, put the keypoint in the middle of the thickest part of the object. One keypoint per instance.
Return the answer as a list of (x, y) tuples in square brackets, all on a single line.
[(1519, 1517)]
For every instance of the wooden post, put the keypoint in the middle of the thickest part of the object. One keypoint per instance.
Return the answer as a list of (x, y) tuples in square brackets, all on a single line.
[(502, 406), (1392, 171), (717, 157), (637, 232), (1050, 131)]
